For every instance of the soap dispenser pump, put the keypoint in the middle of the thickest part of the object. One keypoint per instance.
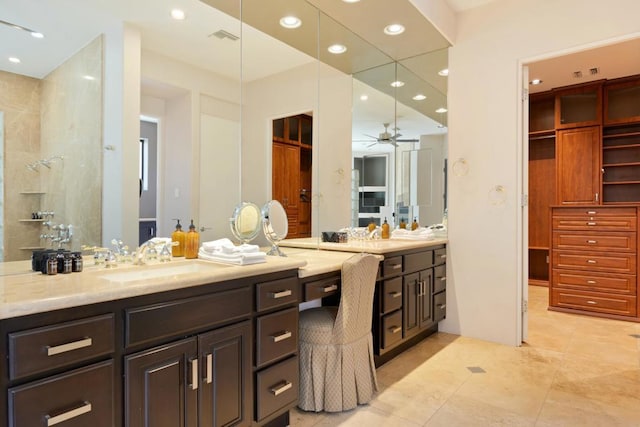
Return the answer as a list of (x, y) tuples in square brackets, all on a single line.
[(385, 229), (192, 243), (178, 236)]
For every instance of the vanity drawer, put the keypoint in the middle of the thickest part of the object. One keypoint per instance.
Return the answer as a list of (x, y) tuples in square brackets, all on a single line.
[(391, 294), (276, 336), (601, 223), (613, 241), (588, 281), (595, 211), (624, 305), (79, 398), (439, 306), (276, 388), (439, 256), (321, 288), (418, 261), (595, 261), (176, 318), (391, 329), (42, 349), (439, 278), (277, 293), (392, 266)]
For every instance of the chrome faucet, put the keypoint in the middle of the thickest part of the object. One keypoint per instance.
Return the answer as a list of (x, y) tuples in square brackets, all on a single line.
[(140, 257)]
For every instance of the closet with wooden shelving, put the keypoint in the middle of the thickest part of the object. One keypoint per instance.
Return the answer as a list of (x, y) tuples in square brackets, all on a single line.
[(584, 196)]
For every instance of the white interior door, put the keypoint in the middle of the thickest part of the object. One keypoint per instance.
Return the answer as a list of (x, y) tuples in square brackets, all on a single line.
[(219, 176)]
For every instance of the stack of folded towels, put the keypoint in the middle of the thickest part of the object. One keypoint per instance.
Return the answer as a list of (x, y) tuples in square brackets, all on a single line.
[(420, 233), (223, 250)]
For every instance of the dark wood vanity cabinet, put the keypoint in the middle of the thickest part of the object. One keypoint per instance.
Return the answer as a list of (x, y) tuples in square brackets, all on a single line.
[(221, 354), (409, 301)]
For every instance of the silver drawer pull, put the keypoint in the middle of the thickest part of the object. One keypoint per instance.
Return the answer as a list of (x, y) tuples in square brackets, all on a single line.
[(592, 242), (283, 336), (591, 282), (592, 223), (194, 374), (63, 348), (591, 261), (395, 329), (66, 416), (443, 278), (279, 390), (592, 302), (443, 256), (330, 288), (396, 266), (395, 294), (591, 212), (280, 294), (209, 378), (442, 306)]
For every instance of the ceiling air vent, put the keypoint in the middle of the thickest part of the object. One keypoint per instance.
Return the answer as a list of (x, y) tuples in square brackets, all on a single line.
[(577, 74), (222, 34)]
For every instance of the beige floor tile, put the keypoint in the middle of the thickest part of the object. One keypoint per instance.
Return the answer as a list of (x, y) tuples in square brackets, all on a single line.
[(364, 416), (556, 414), (614, 350), (462, 411), (299, 418)]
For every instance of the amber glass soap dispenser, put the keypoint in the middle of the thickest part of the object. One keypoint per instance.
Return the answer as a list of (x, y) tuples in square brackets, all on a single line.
[(192, 242), (178, 236), (385, 229)]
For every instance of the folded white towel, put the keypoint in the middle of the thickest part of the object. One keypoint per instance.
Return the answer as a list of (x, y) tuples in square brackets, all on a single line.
[(419, 233), (226, 246), (237, 259)]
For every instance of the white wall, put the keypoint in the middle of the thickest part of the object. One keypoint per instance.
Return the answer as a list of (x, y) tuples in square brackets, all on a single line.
[(485, 256)]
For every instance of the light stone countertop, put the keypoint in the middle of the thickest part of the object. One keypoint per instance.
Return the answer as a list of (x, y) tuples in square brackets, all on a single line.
[(24, 292), (377, 247), (318, 261)]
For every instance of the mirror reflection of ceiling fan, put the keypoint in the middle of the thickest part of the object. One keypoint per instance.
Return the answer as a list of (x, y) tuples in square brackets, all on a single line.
[(387, 138)]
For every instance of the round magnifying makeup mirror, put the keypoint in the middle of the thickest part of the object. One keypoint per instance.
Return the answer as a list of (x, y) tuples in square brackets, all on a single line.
[(245, 222), (275, 225)]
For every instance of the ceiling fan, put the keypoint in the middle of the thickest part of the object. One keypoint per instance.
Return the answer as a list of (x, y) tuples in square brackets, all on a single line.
[(387, 138)]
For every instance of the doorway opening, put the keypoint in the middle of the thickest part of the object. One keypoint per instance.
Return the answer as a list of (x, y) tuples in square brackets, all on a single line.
[(148, 182)]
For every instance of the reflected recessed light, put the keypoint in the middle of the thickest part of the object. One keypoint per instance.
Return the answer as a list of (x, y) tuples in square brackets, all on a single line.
[(444, 72), (419, 97), (363, 97), (177, 14), (394, 29), (351, 1), (397, 83), (14, 59), (37, 35), (88, 77), (337, 48), (441, 110), (535, 82), (440, 126), (290, 22)]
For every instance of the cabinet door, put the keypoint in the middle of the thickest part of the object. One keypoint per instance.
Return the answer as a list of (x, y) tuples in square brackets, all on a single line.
[(161, 386), (426, 284), (225, 393), (286, 181), (412, 287), (578, 155)]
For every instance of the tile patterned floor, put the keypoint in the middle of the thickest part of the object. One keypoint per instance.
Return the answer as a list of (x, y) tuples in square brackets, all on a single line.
[(573, 371)]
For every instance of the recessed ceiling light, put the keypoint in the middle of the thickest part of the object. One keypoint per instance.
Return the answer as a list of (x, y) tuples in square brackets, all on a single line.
[(177, 14), (397, 83), (290, 22), (37, 35), (535, 82), (14, 59), (394, 29), (88, 77), (364, 97), (337, 48), (441, 110), (419, 97), (444, 72)]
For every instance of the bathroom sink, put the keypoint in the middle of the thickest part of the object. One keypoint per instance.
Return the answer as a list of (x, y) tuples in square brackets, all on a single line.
[(168, 270)]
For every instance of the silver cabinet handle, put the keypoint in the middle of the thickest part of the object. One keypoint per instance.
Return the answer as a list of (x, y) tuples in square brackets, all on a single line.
[(194, 374), (591, 261), (591, 212), (592, 302), (592, 223), (443, 278), (65, 416), (442, 306), (279, 390), (63, 348), (209, 378), (592, 242), (330, 288), (283, 336), (395, 329), (591, 282), (443, 256), (395, 294), (280, 294), (597, 196)]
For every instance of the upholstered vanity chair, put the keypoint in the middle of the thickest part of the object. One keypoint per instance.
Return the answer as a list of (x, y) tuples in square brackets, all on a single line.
[(337, 371)]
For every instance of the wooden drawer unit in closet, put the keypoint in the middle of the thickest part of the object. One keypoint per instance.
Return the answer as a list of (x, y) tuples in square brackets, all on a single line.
[(82, 397), (276, 336), (594, 259), (276, 388), (55, 346)]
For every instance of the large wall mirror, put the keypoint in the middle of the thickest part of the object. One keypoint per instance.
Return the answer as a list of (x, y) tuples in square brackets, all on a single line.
[(212, 85)]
